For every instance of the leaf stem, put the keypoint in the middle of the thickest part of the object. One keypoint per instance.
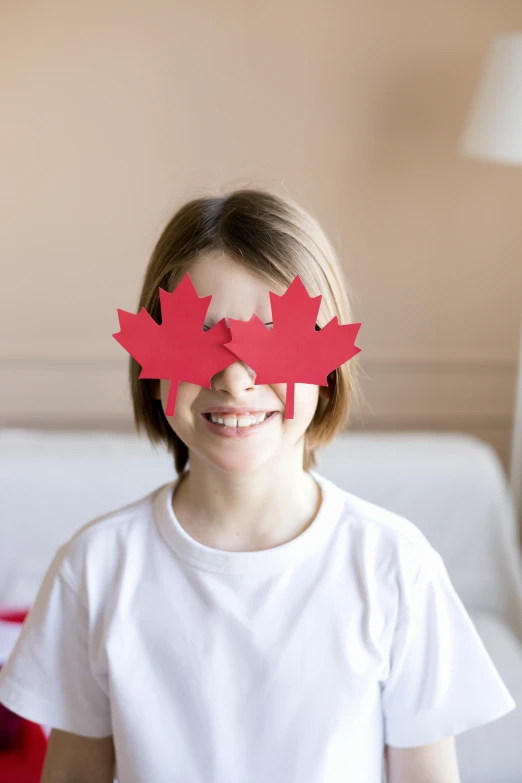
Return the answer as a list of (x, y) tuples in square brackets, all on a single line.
[(171, 401), (290, 394)]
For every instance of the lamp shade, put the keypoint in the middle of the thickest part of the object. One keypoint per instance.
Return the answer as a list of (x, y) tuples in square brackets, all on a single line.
[(494, 131)]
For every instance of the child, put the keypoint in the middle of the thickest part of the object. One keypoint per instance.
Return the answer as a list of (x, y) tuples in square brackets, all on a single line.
[(249, 622)]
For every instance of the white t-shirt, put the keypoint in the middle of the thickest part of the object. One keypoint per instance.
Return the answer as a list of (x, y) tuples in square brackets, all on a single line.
[(296, 663)]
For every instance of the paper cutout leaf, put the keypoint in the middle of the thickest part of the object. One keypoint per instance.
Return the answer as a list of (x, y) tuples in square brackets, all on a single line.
[(177, 349), (293, 351)]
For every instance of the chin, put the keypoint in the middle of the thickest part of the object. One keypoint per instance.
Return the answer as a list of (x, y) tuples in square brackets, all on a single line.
[(244, 461), (237, 464)]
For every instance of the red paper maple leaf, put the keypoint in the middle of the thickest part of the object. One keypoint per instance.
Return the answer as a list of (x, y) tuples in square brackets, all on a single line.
[(293, 351), (177, 349)]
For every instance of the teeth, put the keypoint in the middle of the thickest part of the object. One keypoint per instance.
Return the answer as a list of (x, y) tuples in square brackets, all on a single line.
[(242, 421)]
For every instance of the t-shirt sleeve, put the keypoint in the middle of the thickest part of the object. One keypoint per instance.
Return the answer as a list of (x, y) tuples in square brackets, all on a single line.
[(441, 680), (48, 678)]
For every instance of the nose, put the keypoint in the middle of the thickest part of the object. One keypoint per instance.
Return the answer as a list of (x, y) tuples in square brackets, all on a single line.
[(235, 380)]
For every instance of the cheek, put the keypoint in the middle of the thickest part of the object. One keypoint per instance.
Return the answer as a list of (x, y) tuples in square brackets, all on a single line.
[(310, 399)]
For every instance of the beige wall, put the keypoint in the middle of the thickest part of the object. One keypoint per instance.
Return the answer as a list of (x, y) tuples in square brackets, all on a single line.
[(116, 112)]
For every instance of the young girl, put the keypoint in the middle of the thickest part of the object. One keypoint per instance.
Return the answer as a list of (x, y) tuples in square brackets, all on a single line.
[(249, 622)]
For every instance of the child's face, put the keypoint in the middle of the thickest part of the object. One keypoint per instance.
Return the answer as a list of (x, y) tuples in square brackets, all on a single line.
[(237, 293)]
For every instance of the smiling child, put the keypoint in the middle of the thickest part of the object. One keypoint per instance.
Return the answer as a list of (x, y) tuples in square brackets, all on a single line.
[(249, 621)]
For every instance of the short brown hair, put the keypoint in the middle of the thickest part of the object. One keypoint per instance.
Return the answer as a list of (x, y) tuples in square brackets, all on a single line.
[(273, 237)]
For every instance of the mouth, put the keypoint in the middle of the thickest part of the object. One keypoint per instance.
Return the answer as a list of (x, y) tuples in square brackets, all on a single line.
[(240, 426)]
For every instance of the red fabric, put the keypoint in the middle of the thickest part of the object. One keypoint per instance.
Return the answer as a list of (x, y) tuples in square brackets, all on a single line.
[(23, 763), (13, 615)]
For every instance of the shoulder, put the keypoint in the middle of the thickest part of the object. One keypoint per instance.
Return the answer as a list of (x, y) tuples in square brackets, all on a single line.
[(98, 547), (381, 536)]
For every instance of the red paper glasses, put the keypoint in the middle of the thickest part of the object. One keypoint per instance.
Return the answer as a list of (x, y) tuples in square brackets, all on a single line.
[(291, 352)]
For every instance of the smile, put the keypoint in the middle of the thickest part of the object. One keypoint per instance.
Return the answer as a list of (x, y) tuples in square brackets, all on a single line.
[(237, 427)]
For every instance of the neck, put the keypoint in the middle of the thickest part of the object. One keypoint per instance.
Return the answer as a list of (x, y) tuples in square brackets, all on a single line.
[(246, 511)]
